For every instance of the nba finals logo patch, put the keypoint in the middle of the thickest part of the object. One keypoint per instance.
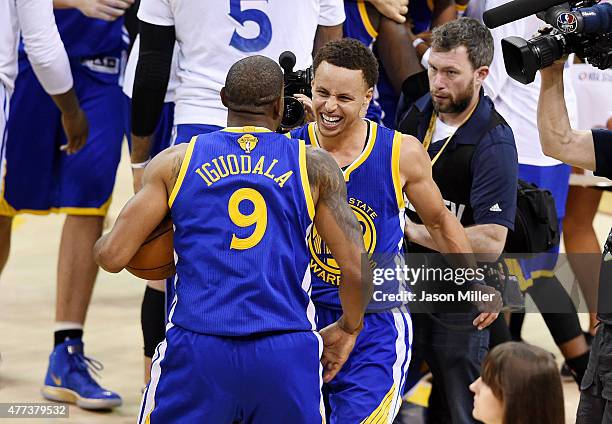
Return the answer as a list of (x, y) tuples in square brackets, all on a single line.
[(322, 264), (248, 142)]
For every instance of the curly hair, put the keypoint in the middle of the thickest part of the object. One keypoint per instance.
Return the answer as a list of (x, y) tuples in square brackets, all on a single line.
[(350, 54)]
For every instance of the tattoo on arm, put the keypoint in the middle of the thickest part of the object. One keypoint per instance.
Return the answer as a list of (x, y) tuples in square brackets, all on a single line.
[(326, 177)]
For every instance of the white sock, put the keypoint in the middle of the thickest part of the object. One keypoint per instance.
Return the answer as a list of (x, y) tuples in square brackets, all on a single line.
[(67, 325)]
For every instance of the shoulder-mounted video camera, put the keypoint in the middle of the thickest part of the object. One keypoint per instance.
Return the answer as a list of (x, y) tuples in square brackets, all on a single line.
[(296, 82), (583, 27)]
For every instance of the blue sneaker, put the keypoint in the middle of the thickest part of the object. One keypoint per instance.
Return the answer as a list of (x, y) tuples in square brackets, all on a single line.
[(69, 379)]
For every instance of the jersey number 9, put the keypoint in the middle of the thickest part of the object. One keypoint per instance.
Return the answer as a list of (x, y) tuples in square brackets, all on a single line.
[(258, 43), (259, 217)]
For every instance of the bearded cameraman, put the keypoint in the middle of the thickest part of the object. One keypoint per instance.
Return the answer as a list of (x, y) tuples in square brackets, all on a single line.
[(589, 150)]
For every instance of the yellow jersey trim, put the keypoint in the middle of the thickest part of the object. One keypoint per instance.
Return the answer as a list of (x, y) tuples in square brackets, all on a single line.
[(288, 135), (365, 19), (365, 154), (183, 171), (514, 268), (7, 210), (247, 129), (381, 413), (305, 182), (313, 135), (395, 170)]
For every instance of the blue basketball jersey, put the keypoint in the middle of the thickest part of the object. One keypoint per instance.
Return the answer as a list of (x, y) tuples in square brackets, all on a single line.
[(376, 197), (94, 43), (242, 209), (87, 37), (421, 14), (358, 26)]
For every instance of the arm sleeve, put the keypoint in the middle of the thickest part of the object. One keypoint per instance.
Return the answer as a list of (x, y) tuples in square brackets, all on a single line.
[(157, 12), (44, 46), (152, 75), (331, 13), (494, 179), (602, 140), (131, 22)]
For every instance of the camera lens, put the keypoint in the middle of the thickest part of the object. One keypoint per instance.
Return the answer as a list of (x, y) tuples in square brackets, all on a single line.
[(548, 49), (293, 114), (524, 58)]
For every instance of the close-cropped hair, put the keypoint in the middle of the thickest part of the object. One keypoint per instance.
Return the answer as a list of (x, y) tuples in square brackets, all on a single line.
[(254, 81)]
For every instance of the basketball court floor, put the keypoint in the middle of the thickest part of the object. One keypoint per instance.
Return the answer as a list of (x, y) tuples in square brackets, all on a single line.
[(112, 330)]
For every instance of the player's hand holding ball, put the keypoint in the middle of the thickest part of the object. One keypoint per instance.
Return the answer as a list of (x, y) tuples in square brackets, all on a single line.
[(155, 258), (338, 342)]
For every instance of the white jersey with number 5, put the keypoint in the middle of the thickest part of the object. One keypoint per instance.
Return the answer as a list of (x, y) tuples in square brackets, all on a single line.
[(214, 34)]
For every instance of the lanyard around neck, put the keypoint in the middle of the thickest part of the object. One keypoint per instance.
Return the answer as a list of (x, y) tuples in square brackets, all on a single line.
[(432, 127)]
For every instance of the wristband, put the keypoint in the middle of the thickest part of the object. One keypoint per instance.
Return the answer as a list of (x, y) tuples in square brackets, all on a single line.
[(140, 165), (417, 41)]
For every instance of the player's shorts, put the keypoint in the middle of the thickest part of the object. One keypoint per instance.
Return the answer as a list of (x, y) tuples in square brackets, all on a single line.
[(5, 102), (555, 179), (369, 387), (39, 177), (198, 378), (164, 131), (184, 132)]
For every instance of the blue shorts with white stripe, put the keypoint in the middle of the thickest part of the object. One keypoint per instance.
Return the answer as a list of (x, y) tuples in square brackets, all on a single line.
[(370, 385), (199, 378)]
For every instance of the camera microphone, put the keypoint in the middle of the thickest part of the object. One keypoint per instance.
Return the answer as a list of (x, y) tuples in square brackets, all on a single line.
[(515, 10), (287, 61), (296, 82)]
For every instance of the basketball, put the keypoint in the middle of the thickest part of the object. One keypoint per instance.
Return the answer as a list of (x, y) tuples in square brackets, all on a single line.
[(155, 258)]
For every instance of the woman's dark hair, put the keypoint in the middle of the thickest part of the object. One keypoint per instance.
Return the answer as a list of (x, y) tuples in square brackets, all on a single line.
[(526, 379)]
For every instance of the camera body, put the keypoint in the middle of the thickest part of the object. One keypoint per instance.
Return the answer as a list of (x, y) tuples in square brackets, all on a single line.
[(582, 27), (296, 82)]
